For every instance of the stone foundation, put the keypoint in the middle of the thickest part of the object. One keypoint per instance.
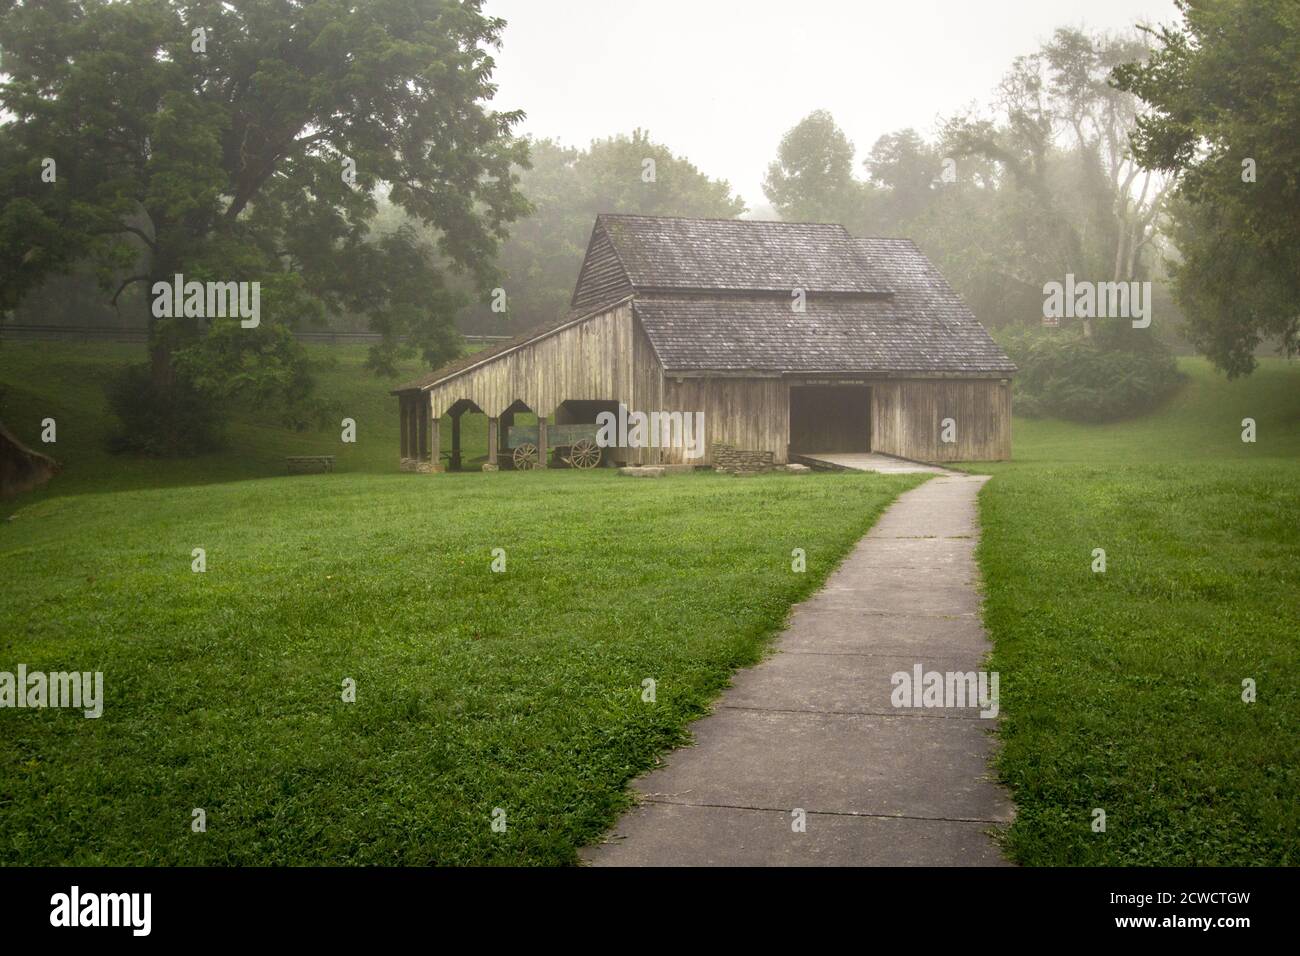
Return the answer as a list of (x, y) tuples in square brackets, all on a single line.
[(418, 465), (735, 461)]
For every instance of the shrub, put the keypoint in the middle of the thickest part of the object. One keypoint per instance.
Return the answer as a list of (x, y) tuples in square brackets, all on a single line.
[(165, 422), (1065, 375)]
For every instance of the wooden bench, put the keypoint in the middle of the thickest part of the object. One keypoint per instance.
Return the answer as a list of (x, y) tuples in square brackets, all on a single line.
[(309, 464)]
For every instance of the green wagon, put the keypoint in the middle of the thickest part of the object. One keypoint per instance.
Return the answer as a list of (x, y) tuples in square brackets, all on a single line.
[(575, 443)]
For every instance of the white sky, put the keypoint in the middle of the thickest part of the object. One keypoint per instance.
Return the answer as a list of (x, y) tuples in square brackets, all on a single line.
[(720, 81)]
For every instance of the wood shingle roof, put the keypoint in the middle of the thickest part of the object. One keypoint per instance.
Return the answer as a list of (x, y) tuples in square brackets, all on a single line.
[(733, 255), (921, 326)]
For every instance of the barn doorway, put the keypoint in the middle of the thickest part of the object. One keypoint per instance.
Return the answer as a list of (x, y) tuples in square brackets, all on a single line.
[(827, 418)]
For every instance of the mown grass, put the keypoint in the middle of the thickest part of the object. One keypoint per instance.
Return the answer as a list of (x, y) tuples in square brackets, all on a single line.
[(1122, 690), (475, 690)]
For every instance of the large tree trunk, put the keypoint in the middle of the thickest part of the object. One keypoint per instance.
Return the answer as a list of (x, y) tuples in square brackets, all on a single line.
[(160, 349), (20, 467), (160, 365)]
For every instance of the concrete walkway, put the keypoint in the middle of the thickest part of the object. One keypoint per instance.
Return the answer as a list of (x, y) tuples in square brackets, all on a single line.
[(872, 461), (812, 727)]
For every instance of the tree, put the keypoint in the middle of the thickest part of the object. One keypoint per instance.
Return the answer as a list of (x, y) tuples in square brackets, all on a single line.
[(1101, 118), (907, 170), (567, 189), (1224, 95), (1071, 196), (242, 143), (812, 177)]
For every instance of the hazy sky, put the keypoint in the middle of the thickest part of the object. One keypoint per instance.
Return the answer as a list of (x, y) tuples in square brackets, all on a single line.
[(721, 80)]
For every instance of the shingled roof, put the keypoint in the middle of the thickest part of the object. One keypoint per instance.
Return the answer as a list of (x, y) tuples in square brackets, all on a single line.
[(657, 254), (715, 295), (922, 326)]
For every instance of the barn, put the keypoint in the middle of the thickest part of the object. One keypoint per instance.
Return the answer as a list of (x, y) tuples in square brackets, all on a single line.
[(791, 339)]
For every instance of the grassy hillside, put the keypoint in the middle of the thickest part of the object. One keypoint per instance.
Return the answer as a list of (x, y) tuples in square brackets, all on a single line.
[(65, 381), (1122, 690)]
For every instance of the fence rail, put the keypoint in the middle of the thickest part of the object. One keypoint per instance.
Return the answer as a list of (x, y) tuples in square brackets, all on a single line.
[(137, 334)]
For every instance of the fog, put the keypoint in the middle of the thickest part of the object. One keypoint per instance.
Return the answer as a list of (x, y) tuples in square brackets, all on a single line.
[(722, 81)]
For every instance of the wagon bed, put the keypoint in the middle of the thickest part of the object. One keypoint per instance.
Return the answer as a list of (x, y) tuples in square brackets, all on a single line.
[(576, 443)]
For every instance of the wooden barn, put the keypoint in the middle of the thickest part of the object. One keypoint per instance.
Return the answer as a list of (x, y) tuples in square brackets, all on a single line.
[(790, 338)]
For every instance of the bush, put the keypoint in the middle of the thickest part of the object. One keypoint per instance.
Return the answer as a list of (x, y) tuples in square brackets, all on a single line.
[(1065, 375), (165, 422)]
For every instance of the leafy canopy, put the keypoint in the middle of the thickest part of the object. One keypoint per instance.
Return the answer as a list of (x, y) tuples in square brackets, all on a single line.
[(1224, 92), (211, 139)]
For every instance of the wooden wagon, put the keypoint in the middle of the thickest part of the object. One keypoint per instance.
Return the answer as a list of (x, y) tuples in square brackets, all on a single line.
[(575, 443)]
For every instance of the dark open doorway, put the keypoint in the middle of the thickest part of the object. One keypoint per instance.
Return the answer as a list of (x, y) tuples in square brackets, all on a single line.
[(830, 418)]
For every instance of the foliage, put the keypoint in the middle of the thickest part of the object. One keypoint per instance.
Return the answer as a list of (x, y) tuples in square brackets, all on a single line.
[(567, 188), (69, 383), (222, 157), (166, 421), (1067, 375), (1225, 93), (1037, 185), (811, 179)]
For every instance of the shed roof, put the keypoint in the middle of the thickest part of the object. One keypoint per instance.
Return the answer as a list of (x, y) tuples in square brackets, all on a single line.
[(923, 326), (733, 255)]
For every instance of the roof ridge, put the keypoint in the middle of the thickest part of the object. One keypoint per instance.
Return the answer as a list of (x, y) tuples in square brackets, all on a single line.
[(762, 222)]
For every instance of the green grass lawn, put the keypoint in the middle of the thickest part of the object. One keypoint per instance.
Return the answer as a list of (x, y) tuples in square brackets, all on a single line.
[(1123, 690), (475, 690), (1119, 691)]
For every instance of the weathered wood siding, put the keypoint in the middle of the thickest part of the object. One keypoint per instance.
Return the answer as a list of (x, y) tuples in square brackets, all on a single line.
[(602, 278), (590, 360), (748, 413), (907, 416), (647, 391)]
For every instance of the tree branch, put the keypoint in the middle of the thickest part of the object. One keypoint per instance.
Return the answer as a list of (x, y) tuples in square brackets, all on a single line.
[(133, 229), (126, 282)]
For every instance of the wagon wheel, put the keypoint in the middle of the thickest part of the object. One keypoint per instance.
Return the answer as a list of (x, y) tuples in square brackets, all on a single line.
[(584, 454), (525, 456)]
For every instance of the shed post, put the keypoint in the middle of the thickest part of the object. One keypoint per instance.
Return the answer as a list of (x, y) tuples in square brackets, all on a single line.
[(435, 443), (454, 463), (542, 450), (503, 432), (412, 426), (422, 437), (401, 427), (492, 442)]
